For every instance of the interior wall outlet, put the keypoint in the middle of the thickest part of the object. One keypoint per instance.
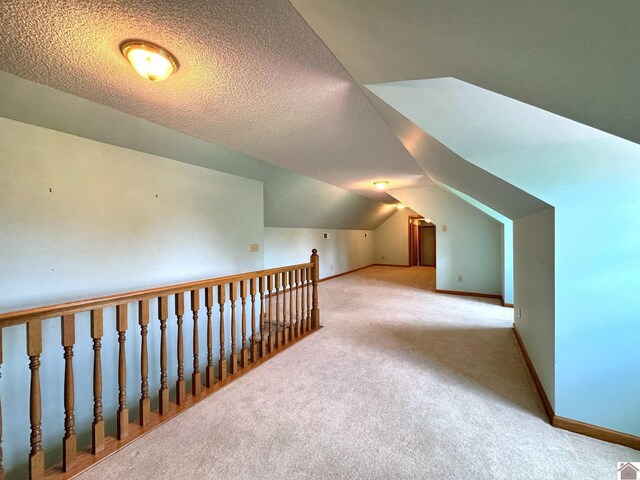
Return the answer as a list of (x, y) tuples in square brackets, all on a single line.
[(254, 247), (444, 228), (326, 235), (519, 312)]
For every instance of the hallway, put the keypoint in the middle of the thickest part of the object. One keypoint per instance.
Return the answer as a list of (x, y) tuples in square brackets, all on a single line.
[(400, 383)]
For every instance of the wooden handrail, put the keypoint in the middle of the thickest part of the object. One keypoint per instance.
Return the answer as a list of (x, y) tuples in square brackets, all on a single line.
[(293, 289), (19, 317)]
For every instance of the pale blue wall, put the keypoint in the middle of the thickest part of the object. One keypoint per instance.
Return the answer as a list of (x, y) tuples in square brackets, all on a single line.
[(102, 230), (470, 247), (594, 186), (391, 239), (507, 241), (290, 199), (534, 280), (591, 178), (343, 251)]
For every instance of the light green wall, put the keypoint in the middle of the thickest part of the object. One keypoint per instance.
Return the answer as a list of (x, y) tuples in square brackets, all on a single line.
[(100, 230), (391, 239), (343, 251), (290, 199), (507, 241), (534, 279), (115, 219), (471, 246)]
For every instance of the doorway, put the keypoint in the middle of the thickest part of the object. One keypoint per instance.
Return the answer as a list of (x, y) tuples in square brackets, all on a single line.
[(422, 242), (428, 245)]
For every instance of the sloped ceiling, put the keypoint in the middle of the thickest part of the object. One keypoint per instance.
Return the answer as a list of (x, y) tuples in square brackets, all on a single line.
[(547, 155), (290, 199), (575, 58), (447, 167), (571, 58), (254, 77)]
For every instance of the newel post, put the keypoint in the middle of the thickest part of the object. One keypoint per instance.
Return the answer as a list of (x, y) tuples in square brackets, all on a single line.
[(315, 277)]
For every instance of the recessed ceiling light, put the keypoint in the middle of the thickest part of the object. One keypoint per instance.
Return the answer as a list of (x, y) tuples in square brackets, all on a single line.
[(381, 185), (149, 60), (400, 206)]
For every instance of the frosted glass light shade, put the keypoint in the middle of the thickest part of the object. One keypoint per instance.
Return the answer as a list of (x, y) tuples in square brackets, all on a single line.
[(150, 61)]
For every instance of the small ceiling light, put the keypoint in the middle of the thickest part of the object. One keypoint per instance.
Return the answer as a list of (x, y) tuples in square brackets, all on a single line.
[(381, 185), (400, 206), (149, 60)]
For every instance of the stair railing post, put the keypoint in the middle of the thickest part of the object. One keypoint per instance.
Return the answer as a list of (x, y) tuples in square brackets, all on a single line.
[(315, 277)]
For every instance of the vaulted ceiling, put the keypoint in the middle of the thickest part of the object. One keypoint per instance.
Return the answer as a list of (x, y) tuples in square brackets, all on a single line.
[(285, 84), (254, 77), (575, 58)]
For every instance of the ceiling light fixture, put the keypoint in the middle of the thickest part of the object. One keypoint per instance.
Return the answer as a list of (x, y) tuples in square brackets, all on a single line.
[(400, 206), (150, 61), (381, 185)]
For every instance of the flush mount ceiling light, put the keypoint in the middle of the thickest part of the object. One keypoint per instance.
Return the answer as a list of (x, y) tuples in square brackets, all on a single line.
[(381, 185), (400, 206), (150, 61)]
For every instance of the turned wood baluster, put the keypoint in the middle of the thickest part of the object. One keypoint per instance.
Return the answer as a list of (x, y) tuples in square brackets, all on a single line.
[(315, 311), (145, 401), (97, 427), (297, 279), (196, 382), (284, 308), (277, 319), (254, 346), (208, 301), (292, 310), (303, 280), (222, 363), (69, 441), (303, 317), (234, 354), (34, 350), (244, 351), (163, 315), (263, 341), (181, 389), (307, 322), (122, 430), (270, 296), (1, 466)]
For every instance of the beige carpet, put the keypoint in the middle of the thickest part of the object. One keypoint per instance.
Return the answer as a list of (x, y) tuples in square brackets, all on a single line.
[(401, 383)]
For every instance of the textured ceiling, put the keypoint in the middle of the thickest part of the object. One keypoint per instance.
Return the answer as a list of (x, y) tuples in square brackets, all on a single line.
[(253, 77), (575, 58)]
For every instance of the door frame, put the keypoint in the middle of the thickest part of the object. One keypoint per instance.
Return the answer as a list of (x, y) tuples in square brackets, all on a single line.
[(435, 245), (411, 218)]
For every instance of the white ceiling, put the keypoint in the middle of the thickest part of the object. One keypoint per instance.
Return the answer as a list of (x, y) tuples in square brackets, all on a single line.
[(473, 122), (254, 77), (575, 58), (447, 167), (553, 158)]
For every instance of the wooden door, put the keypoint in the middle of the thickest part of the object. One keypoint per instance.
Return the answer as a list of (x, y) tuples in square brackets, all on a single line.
[(428, 246)]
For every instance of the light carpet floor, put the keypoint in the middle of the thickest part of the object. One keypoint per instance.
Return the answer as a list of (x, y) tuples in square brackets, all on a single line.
[(402, 383)]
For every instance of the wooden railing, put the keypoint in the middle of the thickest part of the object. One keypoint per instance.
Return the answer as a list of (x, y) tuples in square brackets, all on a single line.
[(283, 307)]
